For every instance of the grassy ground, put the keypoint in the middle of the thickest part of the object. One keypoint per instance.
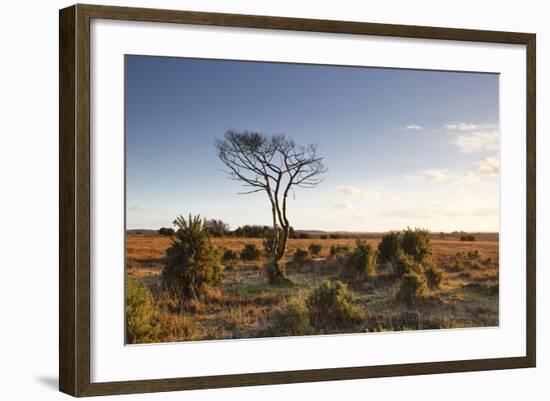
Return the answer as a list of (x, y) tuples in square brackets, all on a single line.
[(246, 305)]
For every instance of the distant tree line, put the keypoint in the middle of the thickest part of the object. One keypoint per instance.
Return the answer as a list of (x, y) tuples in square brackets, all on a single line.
[(217, 228)]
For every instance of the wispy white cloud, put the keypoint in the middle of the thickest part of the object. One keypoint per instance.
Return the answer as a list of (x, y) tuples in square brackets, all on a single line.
[(413, 127), (477, 141), (488, 167), (354, 192), (436, 175), (470, 138), (463, 127), (342, 206)]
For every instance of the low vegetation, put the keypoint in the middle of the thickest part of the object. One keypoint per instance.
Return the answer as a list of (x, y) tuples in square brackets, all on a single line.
[(142, 323), (470, 238), (360, 263), (196, 284), (301, 256), (192, 263), (315, 249), (411, 288), (332, 306), (250, 252)]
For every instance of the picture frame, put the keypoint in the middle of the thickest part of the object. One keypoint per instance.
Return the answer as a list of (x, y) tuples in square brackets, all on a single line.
[(75, 204)]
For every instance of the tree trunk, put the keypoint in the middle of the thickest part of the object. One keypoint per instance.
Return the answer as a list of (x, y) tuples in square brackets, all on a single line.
[(276, 270)]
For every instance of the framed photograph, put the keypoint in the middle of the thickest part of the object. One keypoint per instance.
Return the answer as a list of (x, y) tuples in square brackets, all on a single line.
[(250, 200)]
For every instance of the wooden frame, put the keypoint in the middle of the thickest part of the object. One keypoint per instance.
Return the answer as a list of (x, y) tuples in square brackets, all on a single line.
[(74, 203)]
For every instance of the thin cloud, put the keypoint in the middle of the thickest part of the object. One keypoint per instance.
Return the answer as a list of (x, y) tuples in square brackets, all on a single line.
[(462, 127), (342, 206), (436, 175), (488, 167), (466, 127), (413, 127), (354, 192), (477, 141)]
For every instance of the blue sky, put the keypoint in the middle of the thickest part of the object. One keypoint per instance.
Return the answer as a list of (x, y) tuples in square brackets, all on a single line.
[(402, 147)]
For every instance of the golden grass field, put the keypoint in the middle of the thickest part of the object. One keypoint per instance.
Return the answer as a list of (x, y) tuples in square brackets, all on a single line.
[(245, 304)]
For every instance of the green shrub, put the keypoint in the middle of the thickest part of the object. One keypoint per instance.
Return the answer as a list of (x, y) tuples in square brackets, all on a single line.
[(416, 243), (331, 305), (434, 277), (456, 263), (361, 261), (404, 264), (323, 236), (474, 255), (300, 256), (230, 258), (142, 325), (315, 249), (338, 251), (412, 287), (250, 252), (165, 231), (469, 260), (469, 238), (389, 247), (191, 264), (293, 320)]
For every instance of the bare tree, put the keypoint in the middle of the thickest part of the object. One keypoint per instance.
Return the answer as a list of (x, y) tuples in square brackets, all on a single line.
[(274, 165)]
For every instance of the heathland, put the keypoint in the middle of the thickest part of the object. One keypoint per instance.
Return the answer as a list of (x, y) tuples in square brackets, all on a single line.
[(339, 283)]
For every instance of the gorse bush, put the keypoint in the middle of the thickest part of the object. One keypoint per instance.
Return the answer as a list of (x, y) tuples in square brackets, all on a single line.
[(142, 324), (230, 258), (389, 247), (250, 252), (337, 251), (315, 249), (300, 256), (191, 263), (412, 287), (331, 305), (469, 238), (166, 231), (416, 243), (293, 320), (361, 261), (474, 255), (469, 260), (434, 277), (404, 264)]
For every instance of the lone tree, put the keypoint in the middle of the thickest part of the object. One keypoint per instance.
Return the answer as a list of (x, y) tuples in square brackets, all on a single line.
[(274, 165)]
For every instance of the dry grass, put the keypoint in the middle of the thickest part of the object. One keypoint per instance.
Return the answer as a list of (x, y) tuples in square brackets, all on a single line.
[(148, 250), (245, 305)]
